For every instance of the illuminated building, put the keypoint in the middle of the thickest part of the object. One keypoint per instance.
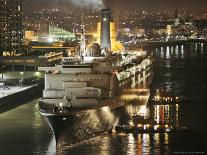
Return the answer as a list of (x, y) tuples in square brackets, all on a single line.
[(169, 30), (10, 25), (58, 34), (161, 31), (55, 34), (29, 36)]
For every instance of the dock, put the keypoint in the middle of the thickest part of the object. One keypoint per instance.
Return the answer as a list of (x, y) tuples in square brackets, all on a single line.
[(17, 88)]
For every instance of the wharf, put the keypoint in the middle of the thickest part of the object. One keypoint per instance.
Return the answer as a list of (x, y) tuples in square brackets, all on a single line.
[(9, 90), (13, 96)]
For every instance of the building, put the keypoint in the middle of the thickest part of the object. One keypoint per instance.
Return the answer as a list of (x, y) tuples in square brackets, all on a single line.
[(177, 20), (59, 34), (202, 26), (161, 31), (48, 33), (169, 30), (10, 25)]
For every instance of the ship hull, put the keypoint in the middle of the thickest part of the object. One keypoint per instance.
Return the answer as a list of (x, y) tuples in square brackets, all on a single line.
[(79, 126)]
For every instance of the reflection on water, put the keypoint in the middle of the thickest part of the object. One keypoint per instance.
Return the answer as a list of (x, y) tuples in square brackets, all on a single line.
[(22, 131), (166, 114)]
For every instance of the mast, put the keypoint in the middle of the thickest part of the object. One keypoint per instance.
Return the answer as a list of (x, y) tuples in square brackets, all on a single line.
[(83, 40)]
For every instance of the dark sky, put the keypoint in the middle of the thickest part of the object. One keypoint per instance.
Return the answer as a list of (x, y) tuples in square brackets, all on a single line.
[(167, 3), (129, 4)]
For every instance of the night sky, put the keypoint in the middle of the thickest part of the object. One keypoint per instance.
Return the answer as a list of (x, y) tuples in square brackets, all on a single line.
[(127, 4)]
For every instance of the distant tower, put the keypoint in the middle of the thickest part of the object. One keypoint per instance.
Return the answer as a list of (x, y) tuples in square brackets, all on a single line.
[(177, 20)]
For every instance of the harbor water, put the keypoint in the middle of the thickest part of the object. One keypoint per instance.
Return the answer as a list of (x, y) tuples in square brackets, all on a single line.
[(179, 70)]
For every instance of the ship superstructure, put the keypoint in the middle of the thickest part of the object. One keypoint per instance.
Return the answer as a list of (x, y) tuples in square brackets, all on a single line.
[(83, 95)]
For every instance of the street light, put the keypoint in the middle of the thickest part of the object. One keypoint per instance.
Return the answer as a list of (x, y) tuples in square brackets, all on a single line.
[(2, 75)]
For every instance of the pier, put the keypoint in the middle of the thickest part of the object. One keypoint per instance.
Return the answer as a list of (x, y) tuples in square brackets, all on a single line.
[(17, 88)]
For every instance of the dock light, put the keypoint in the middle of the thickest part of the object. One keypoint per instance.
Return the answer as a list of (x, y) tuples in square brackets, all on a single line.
[(131, 123), (139, 125), (21, 73), (37, 73), (60, 104), (168, 130), (104, 19), (155, 127), (50, 40), (145, 127), (177, 98)]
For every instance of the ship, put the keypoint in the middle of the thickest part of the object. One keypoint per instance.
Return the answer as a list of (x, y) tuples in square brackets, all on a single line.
[(85, 94)]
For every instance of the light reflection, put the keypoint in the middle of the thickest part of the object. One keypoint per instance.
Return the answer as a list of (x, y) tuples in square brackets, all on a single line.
[(132, 97), (176, 115), (182, 48), (146, 143), (182, 52), (172, 50), (135, 95), (202, 48), (176, 52), (156, 139), (168, 53), (166, 114), (166, 138), (143, 111), (106, 111), (37, 122), (139, 141), (135, 90), (196, 46), (51, 147), (105, 145), (162, 52), (131, 145)]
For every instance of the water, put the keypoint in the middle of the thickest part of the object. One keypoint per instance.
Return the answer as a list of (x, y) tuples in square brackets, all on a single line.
[(22, 131), (180, 70)]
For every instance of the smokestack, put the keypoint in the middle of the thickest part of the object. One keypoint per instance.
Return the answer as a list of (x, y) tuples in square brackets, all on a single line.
[(105, 41)]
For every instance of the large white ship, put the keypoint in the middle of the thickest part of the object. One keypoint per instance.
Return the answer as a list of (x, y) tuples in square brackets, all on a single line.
[(85, 94)]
